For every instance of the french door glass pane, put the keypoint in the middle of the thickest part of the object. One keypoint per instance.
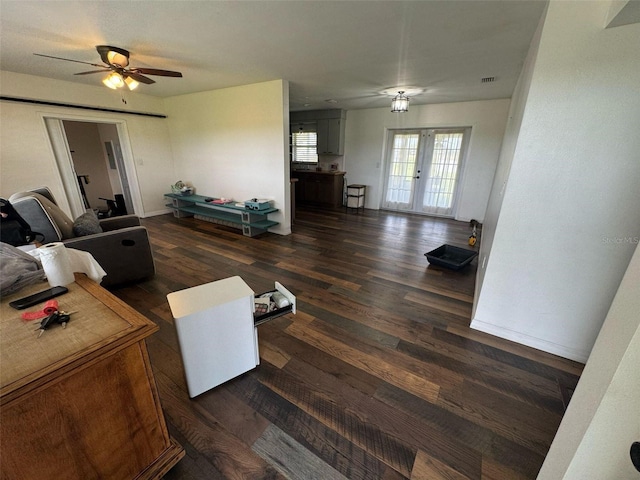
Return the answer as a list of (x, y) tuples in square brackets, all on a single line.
[(443, 174), (400, 186)]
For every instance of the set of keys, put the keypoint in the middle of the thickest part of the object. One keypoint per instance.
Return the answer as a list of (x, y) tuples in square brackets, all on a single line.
[(57, 317)]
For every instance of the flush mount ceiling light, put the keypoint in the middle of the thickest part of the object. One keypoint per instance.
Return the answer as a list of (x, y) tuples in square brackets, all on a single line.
[(400, 103), (401, 94)]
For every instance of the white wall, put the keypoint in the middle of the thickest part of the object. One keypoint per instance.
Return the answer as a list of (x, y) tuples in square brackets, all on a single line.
[(570, 215), (26, 157), (366, 134), (603, 418), (501, 177), (233, 143)]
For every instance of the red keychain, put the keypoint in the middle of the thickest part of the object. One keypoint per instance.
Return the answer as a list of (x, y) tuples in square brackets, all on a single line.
[(50, 307)]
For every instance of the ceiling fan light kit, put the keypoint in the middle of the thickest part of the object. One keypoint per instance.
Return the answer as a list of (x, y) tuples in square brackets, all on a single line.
[(116, 61), (113, 80), (116, 58), (131, 83), (400, 103)]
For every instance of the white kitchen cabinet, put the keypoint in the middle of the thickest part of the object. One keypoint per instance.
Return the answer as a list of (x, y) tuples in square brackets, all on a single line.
[(216, 329)]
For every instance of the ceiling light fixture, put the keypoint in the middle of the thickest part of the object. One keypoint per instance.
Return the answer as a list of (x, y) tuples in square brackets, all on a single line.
[(131, 83), (114, 80), (118, 57), (400, 103)]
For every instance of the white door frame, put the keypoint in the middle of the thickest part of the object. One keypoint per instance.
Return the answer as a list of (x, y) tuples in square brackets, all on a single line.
[(423, 164), (64, 161)]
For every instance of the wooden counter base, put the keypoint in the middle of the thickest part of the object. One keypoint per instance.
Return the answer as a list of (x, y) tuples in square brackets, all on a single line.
[(322, 189)]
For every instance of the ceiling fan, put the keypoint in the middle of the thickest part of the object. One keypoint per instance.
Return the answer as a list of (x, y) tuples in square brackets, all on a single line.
[(116, 61)]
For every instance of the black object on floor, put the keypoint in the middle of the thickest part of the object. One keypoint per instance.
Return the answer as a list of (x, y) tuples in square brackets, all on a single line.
[(451, 257)]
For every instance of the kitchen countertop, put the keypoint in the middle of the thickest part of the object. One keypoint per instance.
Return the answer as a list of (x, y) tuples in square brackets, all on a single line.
[(323, 172)]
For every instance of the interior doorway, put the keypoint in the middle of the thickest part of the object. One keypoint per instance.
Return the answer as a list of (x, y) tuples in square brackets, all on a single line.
[(423, 170), (96, 166), (97, 161)]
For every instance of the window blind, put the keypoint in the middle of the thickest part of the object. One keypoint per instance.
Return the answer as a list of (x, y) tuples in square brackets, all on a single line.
[(304, 147)]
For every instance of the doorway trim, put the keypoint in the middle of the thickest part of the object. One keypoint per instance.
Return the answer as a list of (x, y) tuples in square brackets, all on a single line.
[(64, 161), (424, 158)]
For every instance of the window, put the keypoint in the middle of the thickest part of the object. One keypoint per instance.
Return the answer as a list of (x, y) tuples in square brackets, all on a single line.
[(304, 144)]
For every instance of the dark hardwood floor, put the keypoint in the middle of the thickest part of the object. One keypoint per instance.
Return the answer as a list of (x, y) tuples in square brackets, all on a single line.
[(377, 376)]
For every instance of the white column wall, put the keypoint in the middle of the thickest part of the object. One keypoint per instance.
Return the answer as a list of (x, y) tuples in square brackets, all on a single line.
[(603, 418), (570, 215), (509, 142), (233, 143)]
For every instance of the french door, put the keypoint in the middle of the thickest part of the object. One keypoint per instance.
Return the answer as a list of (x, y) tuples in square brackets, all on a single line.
[(423, 170)]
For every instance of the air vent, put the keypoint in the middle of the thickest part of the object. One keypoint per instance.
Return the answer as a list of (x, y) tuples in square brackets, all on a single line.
[(488, 79)]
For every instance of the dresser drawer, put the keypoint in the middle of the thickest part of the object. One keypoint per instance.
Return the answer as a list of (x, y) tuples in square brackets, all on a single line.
[(278, 302)]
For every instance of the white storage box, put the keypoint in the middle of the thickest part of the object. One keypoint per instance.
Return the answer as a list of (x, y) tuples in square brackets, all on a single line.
[(217, 330)]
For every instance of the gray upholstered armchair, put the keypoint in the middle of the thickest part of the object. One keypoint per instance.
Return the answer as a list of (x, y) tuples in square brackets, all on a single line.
[(121, 247)]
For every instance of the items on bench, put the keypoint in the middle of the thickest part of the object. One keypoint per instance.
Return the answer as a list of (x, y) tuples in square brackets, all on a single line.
[(252, 221)]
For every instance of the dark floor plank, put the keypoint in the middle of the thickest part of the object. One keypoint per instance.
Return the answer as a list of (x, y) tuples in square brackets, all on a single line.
[(367, 422), (223, 450), (292, 459), (329, 445), (493, 446)]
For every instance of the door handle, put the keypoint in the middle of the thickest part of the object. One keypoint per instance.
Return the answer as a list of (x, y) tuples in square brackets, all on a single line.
[(417, 176)]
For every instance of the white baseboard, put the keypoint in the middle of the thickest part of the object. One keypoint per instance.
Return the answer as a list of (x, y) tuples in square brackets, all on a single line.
[(578, 355), (156, 213)]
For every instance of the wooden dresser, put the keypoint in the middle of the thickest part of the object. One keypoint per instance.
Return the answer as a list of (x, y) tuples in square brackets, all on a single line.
[(81, 402)]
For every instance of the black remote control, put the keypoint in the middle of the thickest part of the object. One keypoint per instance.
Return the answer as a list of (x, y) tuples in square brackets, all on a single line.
[(38, 297)]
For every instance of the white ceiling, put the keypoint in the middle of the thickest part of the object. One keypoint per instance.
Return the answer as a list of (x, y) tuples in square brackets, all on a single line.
[(348, 51)]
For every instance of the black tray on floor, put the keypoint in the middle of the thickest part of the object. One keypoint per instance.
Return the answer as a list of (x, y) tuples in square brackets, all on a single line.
[(451, 257)]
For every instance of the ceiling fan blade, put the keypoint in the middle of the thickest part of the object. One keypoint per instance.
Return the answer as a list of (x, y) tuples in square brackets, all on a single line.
[(155, 71), (138, 78), (93, 71), (69, 60)]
